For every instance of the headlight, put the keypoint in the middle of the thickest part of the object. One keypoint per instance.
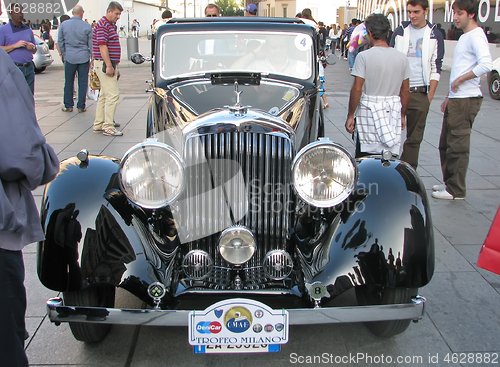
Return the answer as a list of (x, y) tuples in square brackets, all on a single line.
[(151, 174), (324, 174)]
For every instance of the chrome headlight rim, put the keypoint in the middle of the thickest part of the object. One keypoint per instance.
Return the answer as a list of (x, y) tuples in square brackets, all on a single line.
[(152, 144), (321, 143)]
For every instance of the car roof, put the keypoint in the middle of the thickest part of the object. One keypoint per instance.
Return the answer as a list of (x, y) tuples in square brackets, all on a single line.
[(264, 24)]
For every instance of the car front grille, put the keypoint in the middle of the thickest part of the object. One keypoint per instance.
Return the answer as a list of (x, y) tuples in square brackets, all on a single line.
[(237, 178)]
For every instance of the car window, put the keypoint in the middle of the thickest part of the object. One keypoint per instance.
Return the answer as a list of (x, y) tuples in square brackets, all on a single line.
[(287, 54)]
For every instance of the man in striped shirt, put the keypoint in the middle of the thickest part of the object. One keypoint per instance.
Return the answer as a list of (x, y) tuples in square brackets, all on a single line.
[(106, 52)]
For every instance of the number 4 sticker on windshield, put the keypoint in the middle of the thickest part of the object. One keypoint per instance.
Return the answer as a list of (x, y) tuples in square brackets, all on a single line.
[(303, 42)]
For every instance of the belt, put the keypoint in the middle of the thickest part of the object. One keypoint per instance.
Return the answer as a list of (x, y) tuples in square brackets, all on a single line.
[(25, 64), (422, 89)]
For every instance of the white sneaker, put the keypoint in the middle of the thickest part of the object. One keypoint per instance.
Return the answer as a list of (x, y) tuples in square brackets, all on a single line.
[(444, 195), (440, 187), (112, 132)]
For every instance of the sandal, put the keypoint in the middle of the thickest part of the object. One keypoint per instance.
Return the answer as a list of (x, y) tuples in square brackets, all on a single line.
[(326, 105)]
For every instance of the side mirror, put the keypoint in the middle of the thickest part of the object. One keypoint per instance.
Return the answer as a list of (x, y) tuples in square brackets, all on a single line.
[(331, 59), (137, 58)]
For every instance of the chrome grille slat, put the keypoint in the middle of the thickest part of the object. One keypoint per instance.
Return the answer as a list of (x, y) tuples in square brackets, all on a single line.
[(264, 159)]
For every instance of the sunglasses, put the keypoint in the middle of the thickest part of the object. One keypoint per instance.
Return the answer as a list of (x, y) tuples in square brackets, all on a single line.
[(212, 15)]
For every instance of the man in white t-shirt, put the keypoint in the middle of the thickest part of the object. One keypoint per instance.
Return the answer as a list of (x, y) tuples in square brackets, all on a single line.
[(380, 92), (471, 60), (423, 44)]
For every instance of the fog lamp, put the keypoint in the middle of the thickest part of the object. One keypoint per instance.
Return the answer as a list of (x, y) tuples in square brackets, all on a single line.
[(237, 245)]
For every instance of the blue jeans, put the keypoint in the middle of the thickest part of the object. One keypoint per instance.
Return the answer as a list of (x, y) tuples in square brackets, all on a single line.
[(352, 57), (83, 82), (29, 75), (12, 309)]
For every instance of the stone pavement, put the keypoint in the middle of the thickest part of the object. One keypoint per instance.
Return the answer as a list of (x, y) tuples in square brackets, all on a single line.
[(462, 309)]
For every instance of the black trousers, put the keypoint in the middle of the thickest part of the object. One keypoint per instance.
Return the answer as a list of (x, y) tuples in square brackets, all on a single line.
[(12, 309)]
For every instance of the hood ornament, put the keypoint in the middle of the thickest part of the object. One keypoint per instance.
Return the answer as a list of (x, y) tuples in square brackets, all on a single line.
[(237, 108)]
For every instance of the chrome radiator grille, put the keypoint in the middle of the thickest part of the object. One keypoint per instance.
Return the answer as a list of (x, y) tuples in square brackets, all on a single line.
[(238, 178)]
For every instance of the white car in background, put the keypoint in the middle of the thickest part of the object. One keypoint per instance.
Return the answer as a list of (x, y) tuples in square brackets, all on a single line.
[(494, 80), (42, 58)]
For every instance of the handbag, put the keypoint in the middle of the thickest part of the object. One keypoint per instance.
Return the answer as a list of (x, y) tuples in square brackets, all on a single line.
[(94, 82), (489, 256), (92, 93)]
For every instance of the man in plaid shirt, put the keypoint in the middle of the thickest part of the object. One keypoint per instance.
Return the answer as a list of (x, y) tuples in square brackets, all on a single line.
[(380, 93)]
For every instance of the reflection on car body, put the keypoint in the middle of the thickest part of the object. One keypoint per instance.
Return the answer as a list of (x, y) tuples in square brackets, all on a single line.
[(236, 217)]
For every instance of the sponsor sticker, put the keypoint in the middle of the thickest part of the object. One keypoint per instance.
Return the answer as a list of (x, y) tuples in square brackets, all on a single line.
[(237, 322)]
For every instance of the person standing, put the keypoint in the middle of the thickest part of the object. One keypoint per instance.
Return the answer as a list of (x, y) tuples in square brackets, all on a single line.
[(347, 37), (212, 10), (356, 49), (380, 93), (74, 41), (165, 17), (135, 25), (423, 44), (47, 38), (471, 60), (18, 41), (251, 10), (106, 52), (26, 161), (334, 35), (323, 35)]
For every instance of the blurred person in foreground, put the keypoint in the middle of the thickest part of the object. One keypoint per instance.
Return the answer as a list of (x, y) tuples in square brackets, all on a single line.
[(26, 161), (75, 44), (380, 93), (471, 60)]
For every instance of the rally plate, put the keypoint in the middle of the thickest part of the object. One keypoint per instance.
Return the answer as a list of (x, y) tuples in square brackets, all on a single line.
[(238, 322), (214, 349)]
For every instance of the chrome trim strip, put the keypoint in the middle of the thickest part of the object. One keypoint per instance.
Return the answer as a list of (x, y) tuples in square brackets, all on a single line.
[(57, 313)]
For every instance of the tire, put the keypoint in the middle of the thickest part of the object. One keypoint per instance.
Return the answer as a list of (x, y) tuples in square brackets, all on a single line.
[(93, 297), (494, 85), (38, 71), (369, 295)]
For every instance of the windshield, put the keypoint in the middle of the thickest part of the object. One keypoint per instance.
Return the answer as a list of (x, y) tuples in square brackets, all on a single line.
[(287, 54)]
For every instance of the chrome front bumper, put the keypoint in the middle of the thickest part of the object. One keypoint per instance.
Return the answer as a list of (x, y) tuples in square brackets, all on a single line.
[(58, 313)]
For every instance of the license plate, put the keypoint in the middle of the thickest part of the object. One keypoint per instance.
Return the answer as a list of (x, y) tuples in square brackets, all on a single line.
[(238, 322), (214, 349)]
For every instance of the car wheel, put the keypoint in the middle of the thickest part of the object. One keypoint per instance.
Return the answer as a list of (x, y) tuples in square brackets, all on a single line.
[(494, 85), (93, 297), (369, 295), (38, 71)]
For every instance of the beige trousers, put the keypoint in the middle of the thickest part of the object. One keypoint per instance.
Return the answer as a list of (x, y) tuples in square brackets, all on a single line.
[(108, 98)]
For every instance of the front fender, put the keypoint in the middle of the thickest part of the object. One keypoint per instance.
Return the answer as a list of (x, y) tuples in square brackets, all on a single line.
[(381, 235), (88, 241)]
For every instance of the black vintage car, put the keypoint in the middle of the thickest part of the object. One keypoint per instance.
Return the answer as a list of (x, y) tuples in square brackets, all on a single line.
[(236, 217)]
